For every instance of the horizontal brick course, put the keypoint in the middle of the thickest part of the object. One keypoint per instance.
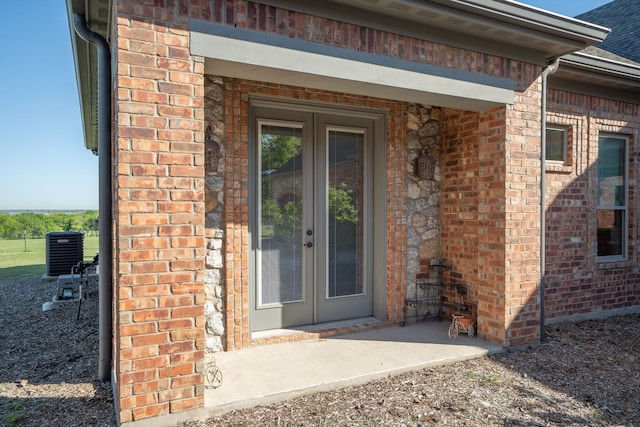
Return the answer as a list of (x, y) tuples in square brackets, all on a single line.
[(575, 282)]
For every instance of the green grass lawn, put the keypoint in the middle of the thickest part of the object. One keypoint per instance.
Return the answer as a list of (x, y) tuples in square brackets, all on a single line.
[(17, 261)]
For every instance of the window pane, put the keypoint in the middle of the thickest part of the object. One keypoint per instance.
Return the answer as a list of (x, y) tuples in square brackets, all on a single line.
[(556, 140), (611, 162), (345, 213), (610, 232)]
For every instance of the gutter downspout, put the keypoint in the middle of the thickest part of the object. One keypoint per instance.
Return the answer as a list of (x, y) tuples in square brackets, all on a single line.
[(105, 308), (547, 71)]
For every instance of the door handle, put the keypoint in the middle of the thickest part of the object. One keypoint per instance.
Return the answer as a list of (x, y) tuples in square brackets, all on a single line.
[(309, 244)]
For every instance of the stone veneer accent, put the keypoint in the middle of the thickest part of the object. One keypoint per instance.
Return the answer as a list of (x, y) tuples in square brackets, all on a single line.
[(423, 195), (214, 218)]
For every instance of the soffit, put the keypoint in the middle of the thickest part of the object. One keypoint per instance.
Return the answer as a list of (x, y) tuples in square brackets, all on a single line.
[(97, 15), (595, 75)]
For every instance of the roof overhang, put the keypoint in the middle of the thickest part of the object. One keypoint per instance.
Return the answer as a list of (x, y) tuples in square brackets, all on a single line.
[(97, 15), (593, 75), (498, 27)]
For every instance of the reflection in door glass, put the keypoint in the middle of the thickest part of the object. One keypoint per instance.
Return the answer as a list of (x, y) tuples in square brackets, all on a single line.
[(345, 189), (280, 216)]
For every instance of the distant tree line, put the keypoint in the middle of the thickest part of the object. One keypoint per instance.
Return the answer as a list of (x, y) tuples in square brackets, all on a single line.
[(37, 225)]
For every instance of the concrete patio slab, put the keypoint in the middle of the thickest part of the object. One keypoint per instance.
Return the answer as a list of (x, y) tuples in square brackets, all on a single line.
[(262, 375)]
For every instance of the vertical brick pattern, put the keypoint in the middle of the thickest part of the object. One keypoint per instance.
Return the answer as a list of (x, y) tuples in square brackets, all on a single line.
[(459, 197), (473, 212), (397, 154), (236, 194), (159, 220), (575, 282)]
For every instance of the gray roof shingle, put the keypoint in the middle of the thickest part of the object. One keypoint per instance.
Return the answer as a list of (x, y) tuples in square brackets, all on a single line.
[(623, 17)]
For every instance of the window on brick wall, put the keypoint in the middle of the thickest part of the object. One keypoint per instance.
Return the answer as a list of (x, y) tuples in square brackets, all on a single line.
[(612, 209), (557, 142)]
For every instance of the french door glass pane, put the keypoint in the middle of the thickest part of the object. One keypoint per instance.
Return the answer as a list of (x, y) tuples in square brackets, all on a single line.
[(345, 213), (280, 216)]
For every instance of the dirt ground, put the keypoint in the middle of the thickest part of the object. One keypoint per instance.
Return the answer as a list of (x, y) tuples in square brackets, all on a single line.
[(585, 374)]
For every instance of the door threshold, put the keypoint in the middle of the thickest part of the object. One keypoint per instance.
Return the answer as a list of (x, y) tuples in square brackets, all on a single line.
[(322, 329)]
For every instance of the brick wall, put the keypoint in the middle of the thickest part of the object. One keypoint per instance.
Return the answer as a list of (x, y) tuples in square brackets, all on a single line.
[(297, 25), (575, 282), (490, 209), (263, 18), (459, 198), (159, 213), (522, 214)]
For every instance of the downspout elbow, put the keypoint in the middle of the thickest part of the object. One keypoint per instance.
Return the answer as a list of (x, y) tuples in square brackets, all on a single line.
[(86, 34), (551, 68)]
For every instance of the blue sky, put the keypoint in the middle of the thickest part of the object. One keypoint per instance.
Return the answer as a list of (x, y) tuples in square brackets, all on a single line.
[(43, 162)]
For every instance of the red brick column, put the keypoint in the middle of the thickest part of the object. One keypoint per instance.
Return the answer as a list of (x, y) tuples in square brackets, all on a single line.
[(491, 211), (522, 214), (509, 221), (491, 237), (159, 213)]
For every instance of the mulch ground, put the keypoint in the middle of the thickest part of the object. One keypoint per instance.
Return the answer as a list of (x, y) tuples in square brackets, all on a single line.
[(585, 374)]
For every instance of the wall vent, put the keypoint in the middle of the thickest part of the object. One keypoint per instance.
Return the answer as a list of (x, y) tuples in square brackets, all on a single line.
[(64, 250)]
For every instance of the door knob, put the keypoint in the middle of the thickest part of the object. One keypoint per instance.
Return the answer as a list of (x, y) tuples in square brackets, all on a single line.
[(309, 244)]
